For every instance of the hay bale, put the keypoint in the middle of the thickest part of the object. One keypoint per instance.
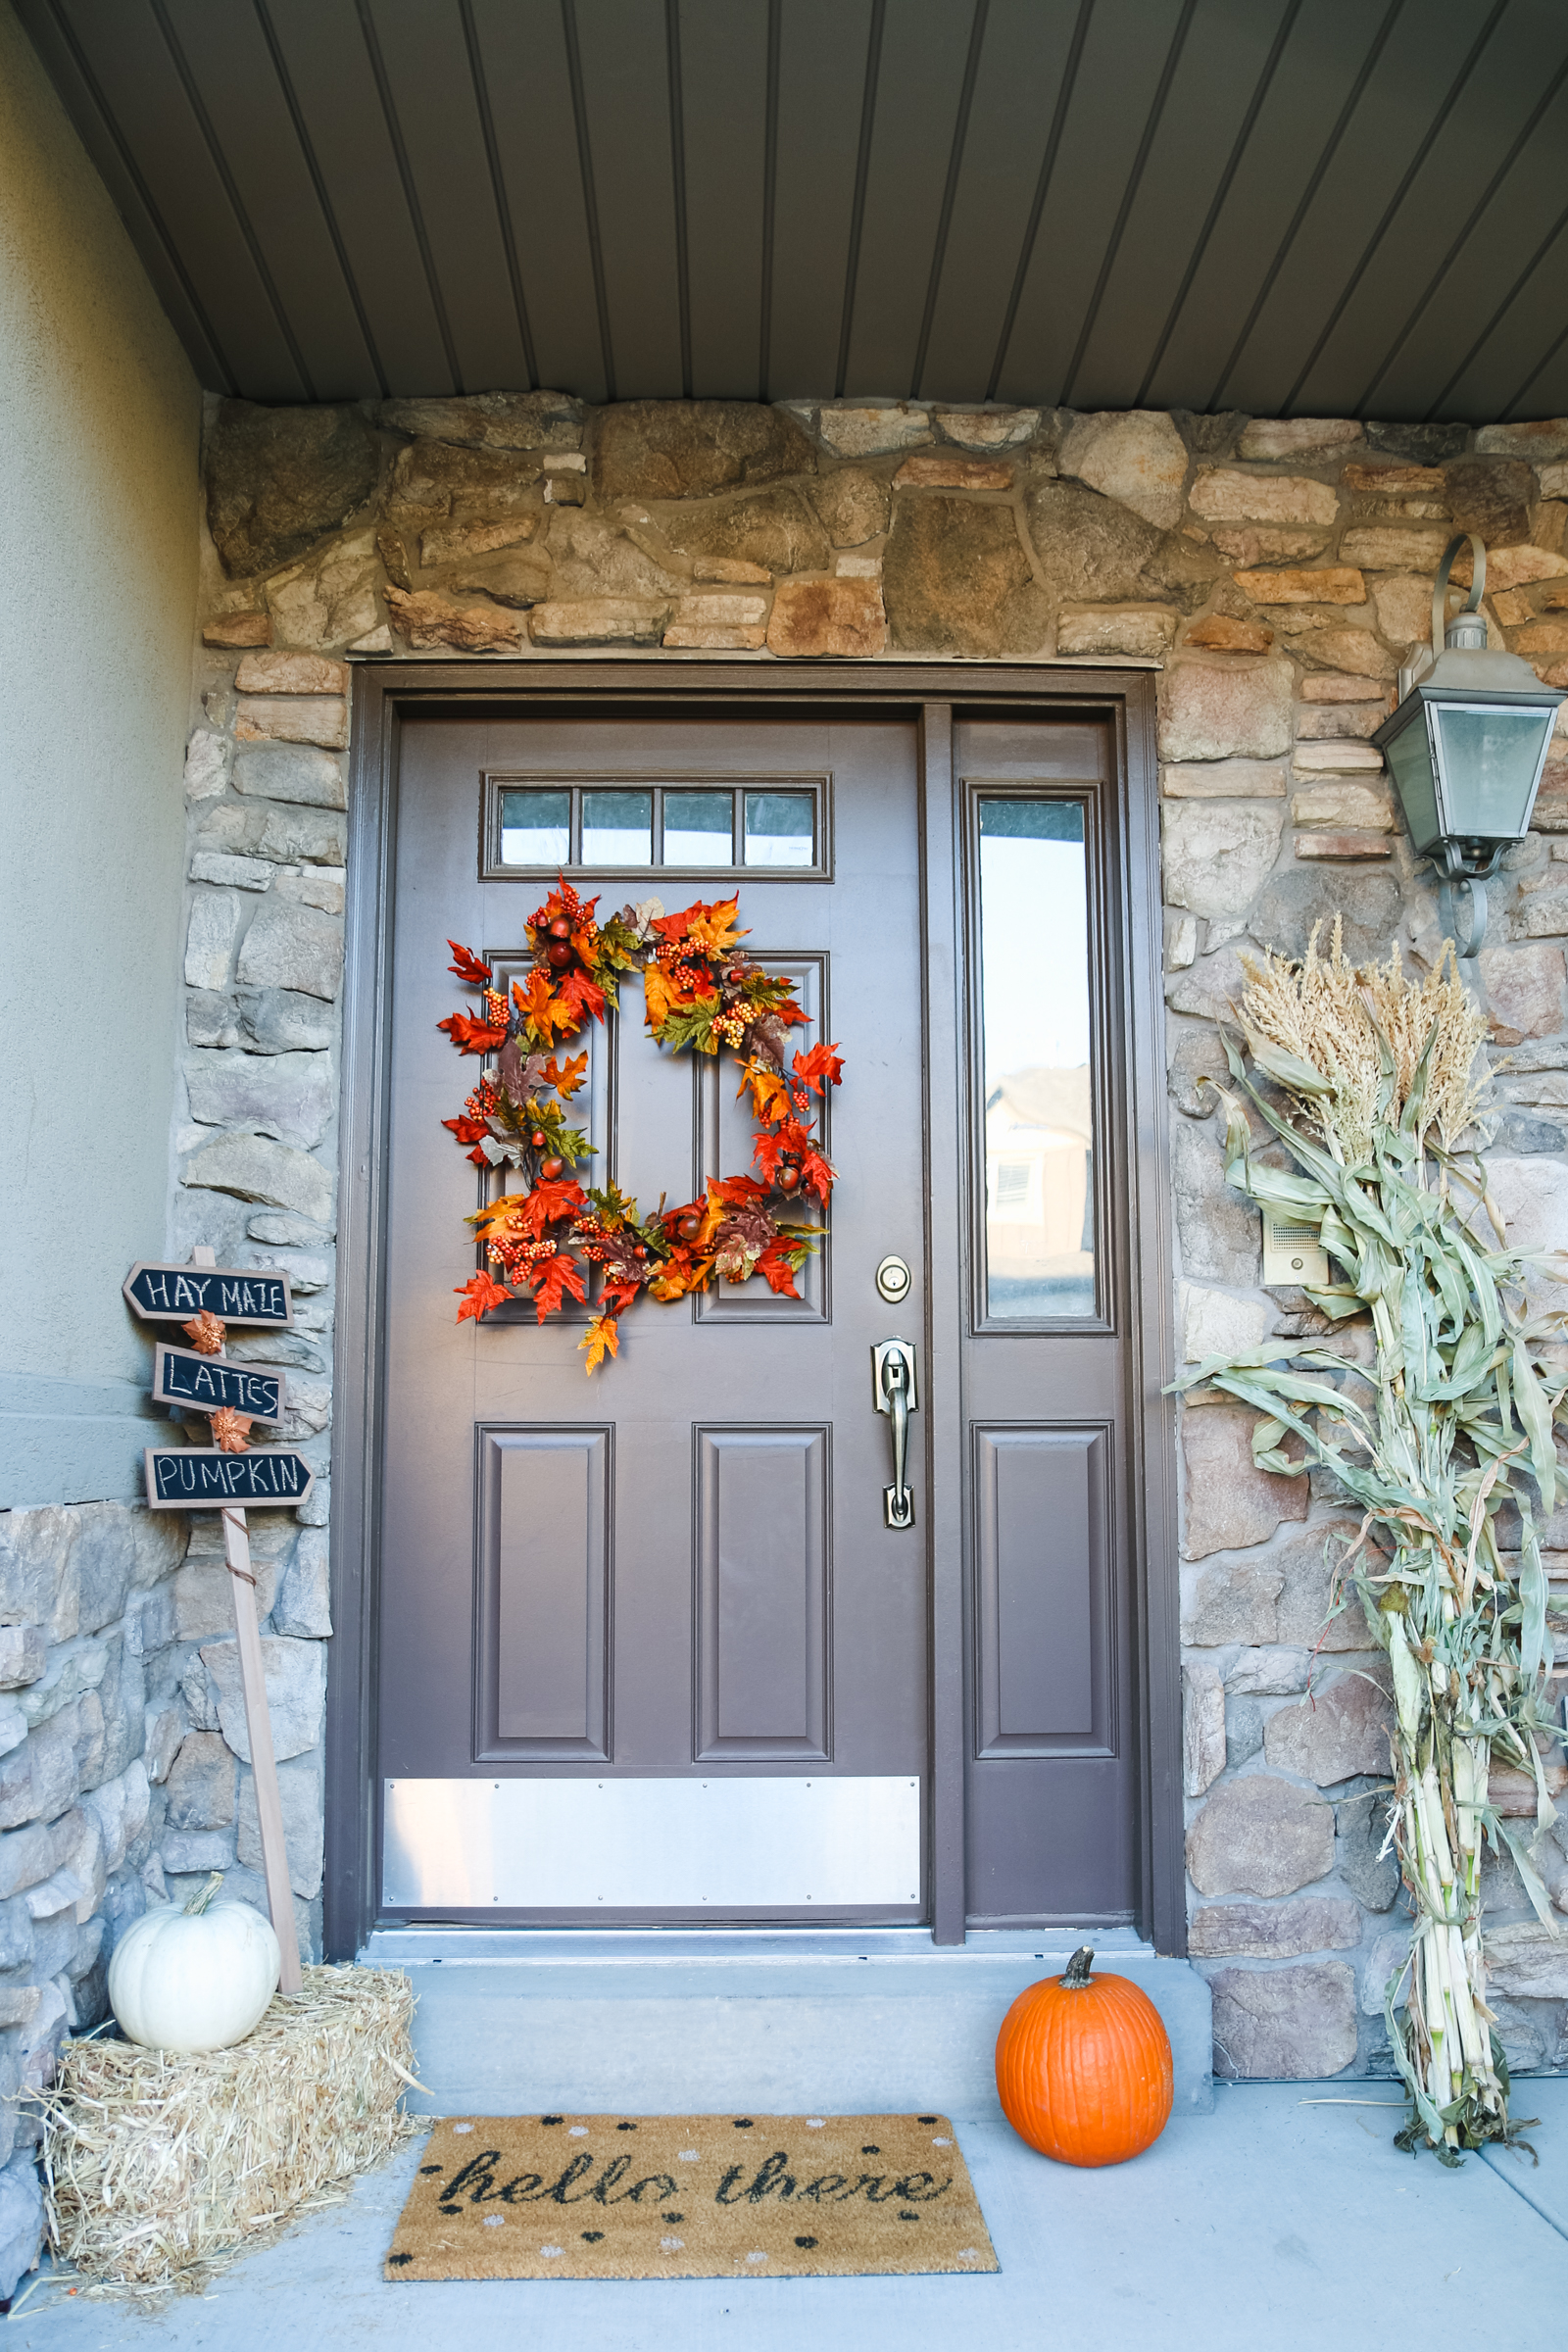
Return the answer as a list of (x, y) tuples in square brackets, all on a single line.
[(156, 2164)]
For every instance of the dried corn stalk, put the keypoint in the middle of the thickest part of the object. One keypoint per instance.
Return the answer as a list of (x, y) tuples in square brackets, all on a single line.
[(1453, 1419)]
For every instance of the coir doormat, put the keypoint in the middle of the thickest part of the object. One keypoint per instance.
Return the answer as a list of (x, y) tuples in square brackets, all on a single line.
[(690, 2196)]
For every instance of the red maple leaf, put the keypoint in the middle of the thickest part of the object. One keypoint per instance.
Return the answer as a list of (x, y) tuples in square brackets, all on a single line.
[(467, 1131), (471, 1036), (479, 1295), (617, 1295), (547, 1204), (792, 1141), (818, 1175), (467, 967), (738, 1191), (776, 1270), (551, 1279), (585, 994), (820, 1068)]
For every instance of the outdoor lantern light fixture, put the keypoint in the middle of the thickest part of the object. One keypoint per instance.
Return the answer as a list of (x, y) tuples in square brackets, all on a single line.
[(1467, 743)]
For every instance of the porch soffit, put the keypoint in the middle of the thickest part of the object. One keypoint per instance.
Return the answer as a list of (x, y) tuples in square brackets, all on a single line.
[(1320, 209)]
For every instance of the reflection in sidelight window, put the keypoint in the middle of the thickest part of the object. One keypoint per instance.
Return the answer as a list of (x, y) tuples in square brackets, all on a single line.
[(1038, 1127)]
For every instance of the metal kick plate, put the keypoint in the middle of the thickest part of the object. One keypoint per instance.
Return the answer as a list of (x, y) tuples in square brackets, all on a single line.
[(646, 1844)]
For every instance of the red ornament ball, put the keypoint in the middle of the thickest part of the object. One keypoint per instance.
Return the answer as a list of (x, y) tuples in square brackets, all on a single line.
[(558, 954), (560, 928), (550, 1169), (1084, 2066), (689, 1228)]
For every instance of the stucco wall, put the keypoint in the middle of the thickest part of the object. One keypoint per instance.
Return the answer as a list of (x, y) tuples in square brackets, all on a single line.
[(99, 425)]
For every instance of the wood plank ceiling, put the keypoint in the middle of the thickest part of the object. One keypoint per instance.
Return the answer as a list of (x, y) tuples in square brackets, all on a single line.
[(1289, 207)]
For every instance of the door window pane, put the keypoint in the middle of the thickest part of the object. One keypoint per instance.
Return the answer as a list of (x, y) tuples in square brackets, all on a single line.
[(1038, 1127), (699, 828), (778, 828), (617, 828), (535, 828)]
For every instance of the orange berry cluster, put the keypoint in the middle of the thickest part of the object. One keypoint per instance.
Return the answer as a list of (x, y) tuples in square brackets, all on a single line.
[(483, 1100), (495, 1009), (516, 1256)]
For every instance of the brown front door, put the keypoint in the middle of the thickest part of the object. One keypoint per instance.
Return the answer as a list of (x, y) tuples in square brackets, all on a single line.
[(635, 1591)]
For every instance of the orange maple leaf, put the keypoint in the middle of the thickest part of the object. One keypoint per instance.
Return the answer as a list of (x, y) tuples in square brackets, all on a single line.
[(713, 928), (819, 1069), (770, 1097), (553, 1278), (565, 1076), (479, 1295), (658, 998), (600, 1339), (471, 1036), (543, 1012)]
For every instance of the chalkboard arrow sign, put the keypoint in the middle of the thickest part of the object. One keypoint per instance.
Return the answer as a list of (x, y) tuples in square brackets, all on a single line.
[(234, 1294), (198, 1478), (202, 1384)]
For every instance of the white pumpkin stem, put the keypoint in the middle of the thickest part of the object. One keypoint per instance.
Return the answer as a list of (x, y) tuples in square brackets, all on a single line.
[(1076, 1974), (204, 1896)]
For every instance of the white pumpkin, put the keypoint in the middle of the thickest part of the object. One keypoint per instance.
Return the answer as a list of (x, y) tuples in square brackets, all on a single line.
[(197, 1979)]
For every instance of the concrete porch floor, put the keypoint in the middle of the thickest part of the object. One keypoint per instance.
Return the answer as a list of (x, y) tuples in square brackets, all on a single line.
[(1268, 2220)]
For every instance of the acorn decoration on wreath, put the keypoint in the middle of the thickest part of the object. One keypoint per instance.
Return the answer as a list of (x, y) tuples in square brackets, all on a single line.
[(700, 990)]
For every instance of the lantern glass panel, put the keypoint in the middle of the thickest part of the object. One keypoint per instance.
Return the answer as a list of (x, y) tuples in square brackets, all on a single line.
[(1489, 757), (1409, 757)]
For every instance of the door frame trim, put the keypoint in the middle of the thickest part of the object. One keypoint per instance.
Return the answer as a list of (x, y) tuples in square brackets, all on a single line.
[(929, 694)]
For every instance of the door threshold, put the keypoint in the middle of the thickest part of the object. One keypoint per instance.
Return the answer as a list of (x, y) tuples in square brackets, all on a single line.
[(426, 1944)]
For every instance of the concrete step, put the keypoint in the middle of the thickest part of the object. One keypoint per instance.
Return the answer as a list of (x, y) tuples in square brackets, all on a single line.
[(687, 2024)]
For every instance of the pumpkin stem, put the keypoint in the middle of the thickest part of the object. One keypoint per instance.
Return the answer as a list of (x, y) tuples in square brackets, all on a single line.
[(1076, 1975), (204, 1896)]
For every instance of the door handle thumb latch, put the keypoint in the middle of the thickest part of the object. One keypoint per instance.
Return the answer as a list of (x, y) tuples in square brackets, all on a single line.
[(893, 1385)]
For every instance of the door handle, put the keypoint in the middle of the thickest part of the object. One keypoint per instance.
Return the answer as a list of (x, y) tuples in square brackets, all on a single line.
[(893, 1385)]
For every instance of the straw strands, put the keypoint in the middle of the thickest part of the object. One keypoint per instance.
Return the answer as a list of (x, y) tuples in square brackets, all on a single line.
[(156, 2164), (1454, 1419)]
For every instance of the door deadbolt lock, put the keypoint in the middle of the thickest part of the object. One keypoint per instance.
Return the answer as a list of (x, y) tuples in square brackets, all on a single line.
[(893, 1385), (894, 1279)]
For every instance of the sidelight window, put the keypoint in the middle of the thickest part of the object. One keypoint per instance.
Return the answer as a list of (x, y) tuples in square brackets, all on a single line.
[(715, 827), (1035, 1020)]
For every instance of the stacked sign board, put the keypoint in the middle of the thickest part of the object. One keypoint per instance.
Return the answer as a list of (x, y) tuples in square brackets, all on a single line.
[(205, 1299), (197, 1478)]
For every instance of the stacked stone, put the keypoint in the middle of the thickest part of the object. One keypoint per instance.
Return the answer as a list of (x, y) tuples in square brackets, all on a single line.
[(1277, 573)]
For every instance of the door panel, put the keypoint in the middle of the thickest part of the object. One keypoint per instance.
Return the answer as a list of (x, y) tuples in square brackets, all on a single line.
[(762, 1508), (1041, 1599), (693, 1581), (542, 1594)]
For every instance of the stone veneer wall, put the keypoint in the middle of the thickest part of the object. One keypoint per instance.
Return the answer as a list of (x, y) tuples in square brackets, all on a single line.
[(1277, 571)]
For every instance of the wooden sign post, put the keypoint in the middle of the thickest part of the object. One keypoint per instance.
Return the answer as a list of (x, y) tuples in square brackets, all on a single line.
[(167, 1294)]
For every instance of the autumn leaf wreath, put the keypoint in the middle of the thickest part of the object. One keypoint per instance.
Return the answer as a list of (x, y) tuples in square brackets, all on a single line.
[(701, 990)]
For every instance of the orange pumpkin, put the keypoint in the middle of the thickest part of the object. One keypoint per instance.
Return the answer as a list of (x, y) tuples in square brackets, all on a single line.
[(1083, 2067)]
